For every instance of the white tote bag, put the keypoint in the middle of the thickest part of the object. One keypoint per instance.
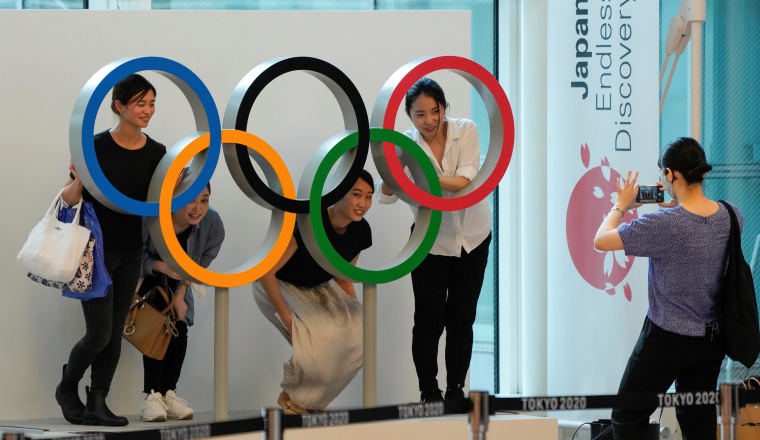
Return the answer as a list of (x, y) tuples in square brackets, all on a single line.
[(54, 249)]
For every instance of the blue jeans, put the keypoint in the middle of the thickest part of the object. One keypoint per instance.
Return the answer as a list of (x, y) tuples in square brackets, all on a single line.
[(100, 348), (659, 358)]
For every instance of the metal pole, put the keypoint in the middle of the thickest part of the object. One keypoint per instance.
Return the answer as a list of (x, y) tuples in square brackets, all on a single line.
[(478, 417), (729, 411), (273, 424), (221, 350), (696, 80), (370, 345), (696, 14)]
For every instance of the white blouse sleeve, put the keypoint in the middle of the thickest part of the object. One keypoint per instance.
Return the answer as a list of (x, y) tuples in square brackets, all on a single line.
[(469, 151), (382, 198)]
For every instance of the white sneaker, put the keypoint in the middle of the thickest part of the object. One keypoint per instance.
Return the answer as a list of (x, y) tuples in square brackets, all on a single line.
[(153, 408), (177, 408)]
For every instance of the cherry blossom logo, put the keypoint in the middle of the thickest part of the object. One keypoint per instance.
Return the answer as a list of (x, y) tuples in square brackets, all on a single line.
[(591, 200)]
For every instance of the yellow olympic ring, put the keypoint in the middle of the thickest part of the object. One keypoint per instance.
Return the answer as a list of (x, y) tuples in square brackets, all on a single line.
[(257, 269)]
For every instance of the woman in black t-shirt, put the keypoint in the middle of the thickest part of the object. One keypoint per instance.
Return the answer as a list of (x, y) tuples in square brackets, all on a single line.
[(317, 313), (128, 158)]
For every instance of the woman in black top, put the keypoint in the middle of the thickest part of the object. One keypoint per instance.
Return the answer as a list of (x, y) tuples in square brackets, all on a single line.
[(318, 314), (128, 158)]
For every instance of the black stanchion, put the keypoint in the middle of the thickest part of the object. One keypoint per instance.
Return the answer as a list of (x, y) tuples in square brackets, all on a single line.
[(478, 416), (601, 429), (729, 411), (273, 424)]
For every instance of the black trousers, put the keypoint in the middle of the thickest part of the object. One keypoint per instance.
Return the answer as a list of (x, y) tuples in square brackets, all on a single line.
[(446, 292), (659, 358), (162, 376), (100, 348)]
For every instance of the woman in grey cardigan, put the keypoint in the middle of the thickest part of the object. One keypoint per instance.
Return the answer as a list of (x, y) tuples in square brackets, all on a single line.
[(200, 232)]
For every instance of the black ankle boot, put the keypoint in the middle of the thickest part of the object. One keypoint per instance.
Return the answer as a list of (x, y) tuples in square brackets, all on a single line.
[(427, 396), (67, 395), (97, 413), (455, 393)]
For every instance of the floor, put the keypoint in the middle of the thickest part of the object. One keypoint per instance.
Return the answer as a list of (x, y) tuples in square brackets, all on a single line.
[(455, 427), (60, 428)]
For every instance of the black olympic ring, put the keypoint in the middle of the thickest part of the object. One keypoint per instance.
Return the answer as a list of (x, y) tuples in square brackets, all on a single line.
[(355, 118)]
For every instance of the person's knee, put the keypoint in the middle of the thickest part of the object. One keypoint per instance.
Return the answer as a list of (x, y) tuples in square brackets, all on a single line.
[(459, 328), (97, 341), (428, 330), (627, 417)]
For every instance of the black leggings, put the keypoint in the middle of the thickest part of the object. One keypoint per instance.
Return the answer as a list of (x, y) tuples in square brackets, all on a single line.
[(100, 348), (162, 376)]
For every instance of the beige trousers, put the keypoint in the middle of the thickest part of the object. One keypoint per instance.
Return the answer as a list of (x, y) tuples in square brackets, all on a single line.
[(326, 341)]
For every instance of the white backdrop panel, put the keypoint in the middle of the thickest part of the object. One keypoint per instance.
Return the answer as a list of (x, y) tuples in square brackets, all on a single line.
[(47, 56)]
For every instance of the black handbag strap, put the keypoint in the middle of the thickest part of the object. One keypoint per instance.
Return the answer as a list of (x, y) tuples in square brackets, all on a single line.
[(735, 235), (162, 288), (142, 301), (165, 292)]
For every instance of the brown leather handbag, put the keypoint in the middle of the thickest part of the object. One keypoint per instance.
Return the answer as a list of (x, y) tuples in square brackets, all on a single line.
[(147, 327)]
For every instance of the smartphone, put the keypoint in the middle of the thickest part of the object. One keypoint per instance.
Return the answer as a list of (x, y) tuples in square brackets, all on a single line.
[(650, 194)]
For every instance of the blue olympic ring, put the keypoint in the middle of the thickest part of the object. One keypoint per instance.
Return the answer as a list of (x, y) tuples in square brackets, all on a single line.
[(83, 125)]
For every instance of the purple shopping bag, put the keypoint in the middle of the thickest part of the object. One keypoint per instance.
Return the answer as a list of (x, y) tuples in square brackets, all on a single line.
[(101, 280)]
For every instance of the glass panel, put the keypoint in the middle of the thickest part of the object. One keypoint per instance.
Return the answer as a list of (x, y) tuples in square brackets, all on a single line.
[(270, 5), (674, 119), (730, 128), (41, 4)]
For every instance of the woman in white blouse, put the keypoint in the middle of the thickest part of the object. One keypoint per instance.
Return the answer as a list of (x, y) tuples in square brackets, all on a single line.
[(447, 283)]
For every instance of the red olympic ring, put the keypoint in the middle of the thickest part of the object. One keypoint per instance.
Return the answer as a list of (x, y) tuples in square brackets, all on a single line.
[(484, 83)]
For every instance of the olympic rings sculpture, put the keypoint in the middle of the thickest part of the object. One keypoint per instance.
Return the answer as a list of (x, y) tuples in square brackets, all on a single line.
[(391, 152)]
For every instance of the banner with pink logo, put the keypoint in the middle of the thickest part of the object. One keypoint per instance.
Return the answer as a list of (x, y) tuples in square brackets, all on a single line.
[(602, 106)]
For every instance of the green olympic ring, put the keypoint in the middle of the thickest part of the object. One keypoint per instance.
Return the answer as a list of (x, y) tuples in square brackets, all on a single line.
[(427, 224)]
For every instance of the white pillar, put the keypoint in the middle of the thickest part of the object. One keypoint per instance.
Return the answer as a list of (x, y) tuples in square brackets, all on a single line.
[(696, 14), (509, 198), (369, 298), (533, 189)]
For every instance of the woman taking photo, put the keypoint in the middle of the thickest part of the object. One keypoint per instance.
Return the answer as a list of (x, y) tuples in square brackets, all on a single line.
[(686, 245), (128, 158), (447, 283), (200, 232), (317, 313)]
